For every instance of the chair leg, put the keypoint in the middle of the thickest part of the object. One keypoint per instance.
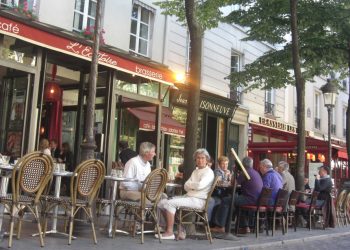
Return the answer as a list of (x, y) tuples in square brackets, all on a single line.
[(310, 216), (257, 224), (207, 228), (92, 224), (11, 225), (238, 217), (287, 221), (37, 217), (142, 226), (71, 219), (157, 225), (180, 225)]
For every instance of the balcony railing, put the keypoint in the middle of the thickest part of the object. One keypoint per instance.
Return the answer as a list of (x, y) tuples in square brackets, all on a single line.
[(236, 96), (269, 108), (333, 129), (317, 123)]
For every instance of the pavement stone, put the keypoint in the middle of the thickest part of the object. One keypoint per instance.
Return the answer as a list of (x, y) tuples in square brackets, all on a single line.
[(84, 240)]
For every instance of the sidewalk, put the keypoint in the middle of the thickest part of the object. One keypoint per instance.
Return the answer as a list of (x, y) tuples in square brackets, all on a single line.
[(84, 240)]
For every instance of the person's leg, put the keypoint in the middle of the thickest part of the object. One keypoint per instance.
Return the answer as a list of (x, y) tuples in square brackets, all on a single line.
[(222, 213), (241, 200), (213, 202), (169, 224)]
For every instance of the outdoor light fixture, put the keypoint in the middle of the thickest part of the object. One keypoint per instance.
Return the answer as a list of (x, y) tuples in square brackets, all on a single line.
[(330, 93)]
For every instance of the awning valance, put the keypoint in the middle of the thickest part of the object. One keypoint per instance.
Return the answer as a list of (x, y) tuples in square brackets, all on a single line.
[(147, 117)]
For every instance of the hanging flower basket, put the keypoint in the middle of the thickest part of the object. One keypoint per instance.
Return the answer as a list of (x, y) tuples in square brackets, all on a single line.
[(24, 10), (88, 33)]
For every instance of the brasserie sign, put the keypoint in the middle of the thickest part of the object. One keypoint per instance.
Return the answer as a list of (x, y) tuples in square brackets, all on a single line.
[(277, 125)]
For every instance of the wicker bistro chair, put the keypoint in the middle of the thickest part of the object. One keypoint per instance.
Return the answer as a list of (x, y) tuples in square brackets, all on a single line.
[(347, 207), (278, 209), (290, 213), (259, 210), (201, 215), (340, 208), (30, 177), (309, 208), (84, 186), (151, 191)]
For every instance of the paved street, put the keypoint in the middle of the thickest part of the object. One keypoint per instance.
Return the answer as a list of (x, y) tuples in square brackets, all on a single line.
[(337, 238)]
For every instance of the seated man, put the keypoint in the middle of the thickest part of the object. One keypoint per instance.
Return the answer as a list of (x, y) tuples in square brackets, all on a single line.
[(137, 168), (250, 191), (323, 184), (197, 188), (271, 179), (288, 179)]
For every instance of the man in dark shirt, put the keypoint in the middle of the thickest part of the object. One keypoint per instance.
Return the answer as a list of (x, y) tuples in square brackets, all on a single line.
[(323, 184), (125, 153), (271, 179), (250, 192)]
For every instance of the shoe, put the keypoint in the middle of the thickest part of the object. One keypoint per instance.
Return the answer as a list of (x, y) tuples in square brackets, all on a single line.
[(217, 229), (182, 235), (170, 237), (244, 230)]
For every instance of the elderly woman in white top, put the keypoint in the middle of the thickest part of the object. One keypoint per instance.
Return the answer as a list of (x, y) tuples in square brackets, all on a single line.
[(197, 188), (138, 168)]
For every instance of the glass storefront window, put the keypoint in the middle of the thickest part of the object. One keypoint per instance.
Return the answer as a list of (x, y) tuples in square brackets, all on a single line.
[(150, 89), (128, 87), (16, 50)]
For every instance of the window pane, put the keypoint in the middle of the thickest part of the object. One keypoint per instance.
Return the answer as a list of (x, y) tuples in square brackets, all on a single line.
[(144, 15), (78, 21), (132, 45), (133, 27), (92, 8), (144, 31), (134, 12), (143, 47), (90, 22), (79, 5)]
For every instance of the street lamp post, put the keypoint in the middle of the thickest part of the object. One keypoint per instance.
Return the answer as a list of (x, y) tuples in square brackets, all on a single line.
[(330, 92)]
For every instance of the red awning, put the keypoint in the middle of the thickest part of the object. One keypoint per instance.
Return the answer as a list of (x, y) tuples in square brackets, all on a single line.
[(342, 154), (147, 117), (55, 39)]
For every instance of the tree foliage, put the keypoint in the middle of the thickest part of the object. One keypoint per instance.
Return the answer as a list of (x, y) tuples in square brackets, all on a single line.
[(323, 39)]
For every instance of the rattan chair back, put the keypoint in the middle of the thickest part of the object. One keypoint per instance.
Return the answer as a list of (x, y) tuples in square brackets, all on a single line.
[(86, 180), (34, 172), (153, 186), (213, 185), (339, 204), (282, 198), (265, 197)]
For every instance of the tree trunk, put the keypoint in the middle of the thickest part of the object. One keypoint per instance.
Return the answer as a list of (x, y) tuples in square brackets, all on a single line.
[(300, 88), (195, 32), (88, 146), (348, 114)]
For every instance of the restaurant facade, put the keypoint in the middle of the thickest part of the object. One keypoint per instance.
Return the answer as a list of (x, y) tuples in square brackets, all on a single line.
[(43, 91), (277, 141)]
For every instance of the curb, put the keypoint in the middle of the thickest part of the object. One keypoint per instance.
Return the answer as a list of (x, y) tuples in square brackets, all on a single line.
[(284, 242)]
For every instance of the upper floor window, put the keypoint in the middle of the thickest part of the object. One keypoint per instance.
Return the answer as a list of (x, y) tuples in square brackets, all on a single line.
[(270, 101), (84, 14), (29, 4), (140, 32), (317, 111), (236, 93)]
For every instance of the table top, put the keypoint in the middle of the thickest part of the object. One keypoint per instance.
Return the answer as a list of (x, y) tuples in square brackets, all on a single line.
[(7, 166), (171, 184), (115, 178)]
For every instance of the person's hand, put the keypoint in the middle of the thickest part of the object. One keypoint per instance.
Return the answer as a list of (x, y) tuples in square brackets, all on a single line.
[(317, 177)]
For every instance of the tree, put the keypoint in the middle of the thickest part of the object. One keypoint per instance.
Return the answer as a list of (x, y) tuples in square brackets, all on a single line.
[(198, 16), (316, 47)]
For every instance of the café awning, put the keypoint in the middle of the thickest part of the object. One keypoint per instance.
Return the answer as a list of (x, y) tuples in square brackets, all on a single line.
[(147, 118)]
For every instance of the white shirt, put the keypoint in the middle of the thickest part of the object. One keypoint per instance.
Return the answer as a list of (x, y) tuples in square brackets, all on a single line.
[(135, 168), (199, 184), (47, 151)]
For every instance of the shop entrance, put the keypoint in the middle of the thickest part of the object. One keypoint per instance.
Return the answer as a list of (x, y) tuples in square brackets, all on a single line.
[(15, 101)]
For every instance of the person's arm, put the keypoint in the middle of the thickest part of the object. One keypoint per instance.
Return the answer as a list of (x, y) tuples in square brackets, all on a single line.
[(323, 185), (266, 181), (201, 184)]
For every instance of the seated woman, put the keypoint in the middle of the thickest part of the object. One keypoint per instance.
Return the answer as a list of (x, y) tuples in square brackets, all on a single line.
[(219, 194), (197, 188), (44, 146)]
